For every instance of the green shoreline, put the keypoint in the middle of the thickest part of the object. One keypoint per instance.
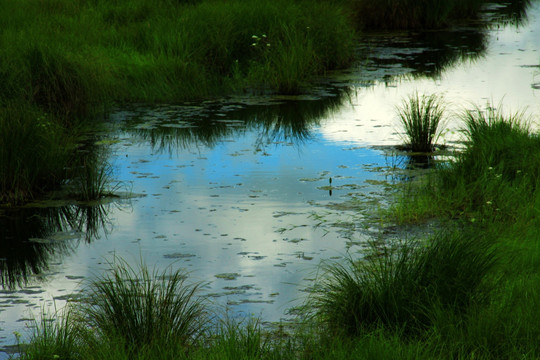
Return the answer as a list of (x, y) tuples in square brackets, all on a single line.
[(64, 62)]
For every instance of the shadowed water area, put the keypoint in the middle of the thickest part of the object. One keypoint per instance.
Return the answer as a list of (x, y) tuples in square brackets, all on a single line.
[(250, 193)]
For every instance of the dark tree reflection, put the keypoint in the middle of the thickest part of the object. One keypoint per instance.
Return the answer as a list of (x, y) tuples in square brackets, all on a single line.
[(30, 238)]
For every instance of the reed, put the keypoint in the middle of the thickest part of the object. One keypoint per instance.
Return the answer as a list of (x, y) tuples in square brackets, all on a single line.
[(421, 117), (56, 335), (33, 153)]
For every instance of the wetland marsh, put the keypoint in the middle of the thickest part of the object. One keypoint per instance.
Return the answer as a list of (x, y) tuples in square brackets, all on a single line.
[(251, 193)]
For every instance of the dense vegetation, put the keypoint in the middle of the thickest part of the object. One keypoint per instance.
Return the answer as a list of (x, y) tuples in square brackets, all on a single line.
[(64, 62)]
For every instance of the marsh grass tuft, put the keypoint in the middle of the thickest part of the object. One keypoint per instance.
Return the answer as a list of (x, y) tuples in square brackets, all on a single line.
[(421, 117), (55, 336), (31, 159), (497, 173), (403, 288), (93, 181), (142, 308)]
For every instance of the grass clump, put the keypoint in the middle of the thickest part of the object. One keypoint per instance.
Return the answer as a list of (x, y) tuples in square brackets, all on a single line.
[(140, 308), (404, 288), (497, 174), (421, 117)]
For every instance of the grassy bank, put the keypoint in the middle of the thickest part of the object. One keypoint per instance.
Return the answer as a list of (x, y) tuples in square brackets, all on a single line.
[(67, 60), (469, 291)]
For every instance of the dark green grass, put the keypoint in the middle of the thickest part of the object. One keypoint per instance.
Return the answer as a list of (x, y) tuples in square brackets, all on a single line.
[(31, 159), (412, 14), (403, 288), (421, 116), (141, 308)]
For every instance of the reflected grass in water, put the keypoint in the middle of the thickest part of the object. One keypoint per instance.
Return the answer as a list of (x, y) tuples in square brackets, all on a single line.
[(34, 237), (411, 14), (181, 127)]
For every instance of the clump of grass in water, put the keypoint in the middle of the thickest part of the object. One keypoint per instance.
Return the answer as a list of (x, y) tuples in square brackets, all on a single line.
[(93, 182), (405, 288), (142, 308), (421, 117)]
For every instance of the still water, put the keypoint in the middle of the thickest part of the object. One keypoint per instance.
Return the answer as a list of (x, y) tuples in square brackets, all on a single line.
[(249, 194)]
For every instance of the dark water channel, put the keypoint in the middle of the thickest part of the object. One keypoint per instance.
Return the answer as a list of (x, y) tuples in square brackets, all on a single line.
[(237, 191)]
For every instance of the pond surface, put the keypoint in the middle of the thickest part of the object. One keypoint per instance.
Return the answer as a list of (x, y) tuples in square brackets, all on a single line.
[(250, 194)]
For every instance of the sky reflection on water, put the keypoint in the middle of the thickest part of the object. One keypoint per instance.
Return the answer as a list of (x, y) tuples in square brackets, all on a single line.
[(227, 189)]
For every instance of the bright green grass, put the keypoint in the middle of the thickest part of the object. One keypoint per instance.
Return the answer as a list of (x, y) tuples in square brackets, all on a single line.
[(64, 56), (494, 178)]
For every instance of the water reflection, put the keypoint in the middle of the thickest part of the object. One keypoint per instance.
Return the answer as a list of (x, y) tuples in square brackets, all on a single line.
[(429, 54), (505, 13), (33, 237), (283, 119)]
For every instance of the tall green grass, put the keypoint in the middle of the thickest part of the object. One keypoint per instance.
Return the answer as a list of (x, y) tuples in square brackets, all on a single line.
[(494, 177), (139, 308), (497, 174), (403, 288), (421, 117), (69, 60), (34, 150)]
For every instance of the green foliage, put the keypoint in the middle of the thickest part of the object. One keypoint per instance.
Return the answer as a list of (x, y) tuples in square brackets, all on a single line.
[(497, 173), (421, 116), (142, 308), (70, 59), (33, 153), (56, 336), (404, 287)]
